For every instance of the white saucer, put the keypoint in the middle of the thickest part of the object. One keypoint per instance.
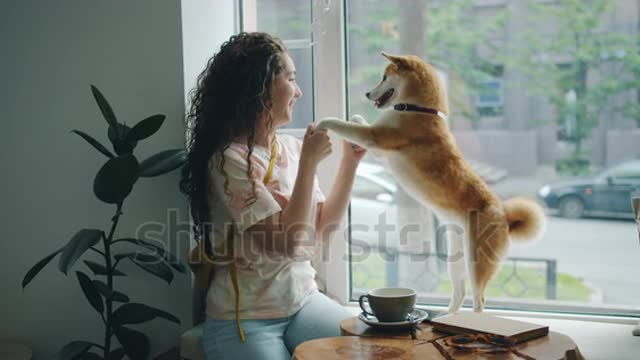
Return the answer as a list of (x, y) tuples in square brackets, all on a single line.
[(417, 316)]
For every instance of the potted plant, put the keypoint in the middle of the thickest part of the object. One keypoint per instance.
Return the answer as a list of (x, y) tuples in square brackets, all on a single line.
[(112, 184)]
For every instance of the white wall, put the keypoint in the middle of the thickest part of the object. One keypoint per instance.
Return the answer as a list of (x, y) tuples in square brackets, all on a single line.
[(206, 24), (51, 51), (201, 41)]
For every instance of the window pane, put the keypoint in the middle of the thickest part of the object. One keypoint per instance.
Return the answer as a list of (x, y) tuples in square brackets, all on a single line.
[(630, 170), (535, 115), (368, 189), (291, 21), (287, 19), (303, 113)]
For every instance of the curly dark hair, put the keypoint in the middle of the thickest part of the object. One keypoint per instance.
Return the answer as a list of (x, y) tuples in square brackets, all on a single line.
[(232, 92)]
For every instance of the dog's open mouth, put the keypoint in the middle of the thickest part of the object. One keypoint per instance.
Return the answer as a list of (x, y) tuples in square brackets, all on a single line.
[(382, 100)]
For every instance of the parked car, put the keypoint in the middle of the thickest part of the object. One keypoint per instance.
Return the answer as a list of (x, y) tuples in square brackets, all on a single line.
[(607, 193)]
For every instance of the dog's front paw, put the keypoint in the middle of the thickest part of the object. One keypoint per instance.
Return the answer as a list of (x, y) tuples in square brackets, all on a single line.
[(327, 123), (358, 119), (322, 125)]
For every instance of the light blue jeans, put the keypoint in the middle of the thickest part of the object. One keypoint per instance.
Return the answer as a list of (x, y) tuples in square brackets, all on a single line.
[(274, 338)]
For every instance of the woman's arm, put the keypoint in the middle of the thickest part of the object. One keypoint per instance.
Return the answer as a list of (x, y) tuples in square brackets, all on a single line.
[(286, 230), (335, 206)]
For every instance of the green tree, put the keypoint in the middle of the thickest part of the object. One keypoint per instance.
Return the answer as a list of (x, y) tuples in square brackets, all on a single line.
[(286, 19), (631, 62), (579, 68), (372, 28), (462, 44), (451, 34)]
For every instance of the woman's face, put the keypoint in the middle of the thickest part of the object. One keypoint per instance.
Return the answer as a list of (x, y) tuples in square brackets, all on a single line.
[(285, 93)]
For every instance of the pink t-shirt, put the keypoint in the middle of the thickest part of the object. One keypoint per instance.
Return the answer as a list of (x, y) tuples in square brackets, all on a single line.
[(270, 285)]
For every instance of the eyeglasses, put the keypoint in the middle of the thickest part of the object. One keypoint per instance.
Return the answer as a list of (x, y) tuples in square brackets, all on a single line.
[(484, 343), (480, 343)]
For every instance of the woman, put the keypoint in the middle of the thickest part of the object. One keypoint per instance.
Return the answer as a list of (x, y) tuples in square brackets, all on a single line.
[(255, 199)]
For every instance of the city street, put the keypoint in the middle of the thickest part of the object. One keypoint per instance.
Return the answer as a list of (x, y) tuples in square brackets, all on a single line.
[(605, 253)]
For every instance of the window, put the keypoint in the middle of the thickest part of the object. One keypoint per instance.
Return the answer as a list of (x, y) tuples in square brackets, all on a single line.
[(373, 182), (570, 269), (503, 75), (368, 189), (489, 98), (489, 91), (291, 21)]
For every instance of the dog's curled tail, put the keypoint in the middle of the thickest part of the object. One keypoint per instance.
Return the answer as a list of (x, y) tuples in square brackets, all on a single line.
[(526, 219)]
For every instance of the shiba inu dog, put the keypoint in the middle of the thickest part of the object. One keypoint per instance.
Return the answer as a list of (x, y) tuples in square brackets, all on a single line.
[(413, 139)]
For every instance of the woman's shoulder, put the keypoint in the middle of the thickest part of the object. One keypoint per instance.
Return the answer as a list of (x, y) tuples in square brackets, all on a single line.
[(289, 141)]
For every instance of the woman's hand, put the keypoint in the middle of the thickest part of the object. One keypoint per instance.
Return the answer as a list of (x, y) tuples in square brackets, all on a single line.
[(316, 146), (353, 153)]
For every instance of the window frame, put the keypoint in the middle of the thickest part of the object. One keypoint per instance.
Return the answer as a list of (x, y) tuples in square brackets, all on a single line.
[(330, 42), (328, 45)]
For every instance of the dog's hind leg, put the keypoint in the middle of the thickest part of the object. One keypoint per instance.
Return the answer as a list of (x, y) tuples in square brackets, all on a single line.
[(487, 247), (484, 268), (457, 269), (478, 287)]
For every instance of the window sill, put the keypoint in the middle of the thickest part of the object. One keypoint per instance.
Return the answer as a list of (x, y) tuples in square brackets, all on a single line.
[(597, 337)]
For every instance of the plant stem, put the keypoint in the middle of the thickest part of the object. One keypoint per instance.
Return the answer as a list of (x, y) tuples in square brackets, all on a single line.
[(98, 346), (113, 268), (107, 255), (98, 251)]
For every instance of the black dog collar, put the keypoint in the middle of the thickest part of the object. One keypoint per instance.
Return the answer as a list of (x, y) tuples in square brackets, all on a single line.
[(416, 108)]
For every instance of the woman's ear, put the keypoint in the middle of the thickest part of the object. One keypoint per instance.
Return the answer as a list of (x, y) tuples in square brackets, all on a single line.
[(400, 61)]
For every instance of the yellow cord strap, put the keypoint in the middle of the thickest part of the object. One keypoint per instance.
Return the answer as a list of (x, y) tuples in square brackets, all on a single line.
[(202, 264), (236, 289), (234, 270), (272, 162)]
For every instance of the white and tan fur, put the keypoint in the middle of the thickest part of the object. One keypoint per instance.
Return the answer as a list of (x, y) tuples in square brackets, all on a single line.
[(423, 157)]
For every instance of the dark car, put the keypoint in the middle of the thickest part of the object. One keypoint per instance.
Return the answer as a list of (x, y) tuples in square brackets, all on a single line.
[(607, 193)]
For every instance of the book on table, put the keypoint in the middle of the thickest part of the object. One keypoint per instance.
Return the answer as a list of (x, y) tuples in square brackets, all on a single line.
[(473, 323)]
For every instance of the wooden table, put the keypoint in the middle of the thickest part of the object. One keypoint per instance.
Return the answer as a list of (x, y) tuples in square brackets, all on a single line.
[(360, 341)]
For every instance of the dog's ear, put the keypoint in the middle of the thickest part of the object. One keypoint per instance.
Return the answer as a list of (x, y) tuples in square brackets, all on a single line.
[(400, 61)]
